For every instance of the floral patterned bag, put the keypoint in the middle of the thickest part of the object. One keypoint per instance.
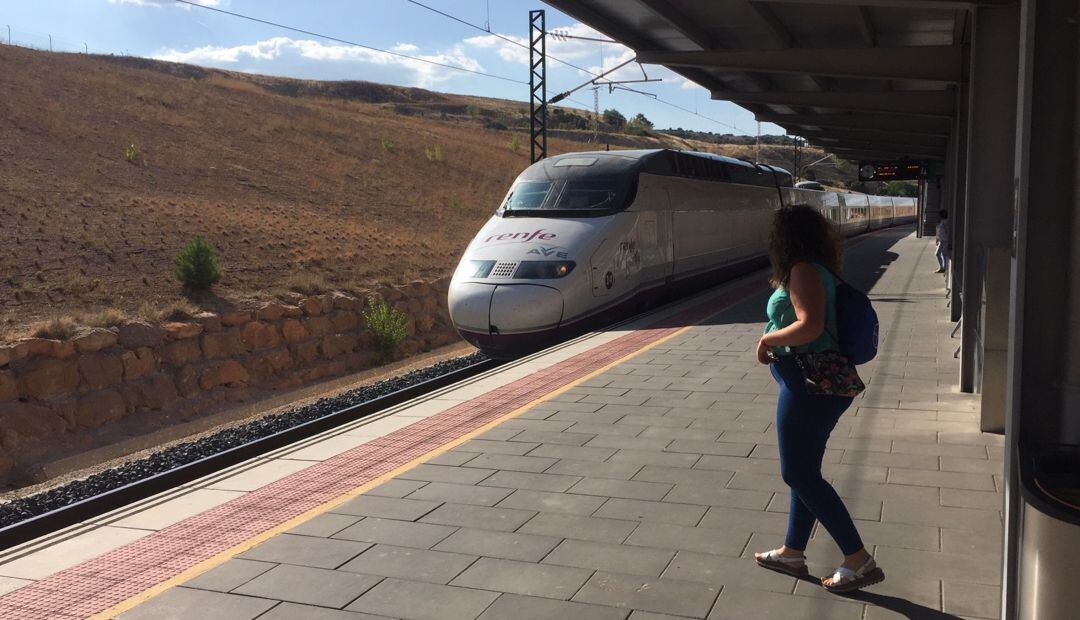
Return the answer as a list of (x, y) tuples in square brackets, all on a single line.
[(829, 373)]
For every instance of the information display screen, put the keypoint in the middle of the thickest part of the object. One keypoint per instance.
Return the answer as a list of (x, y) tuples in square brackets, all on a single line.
[(890, 171)]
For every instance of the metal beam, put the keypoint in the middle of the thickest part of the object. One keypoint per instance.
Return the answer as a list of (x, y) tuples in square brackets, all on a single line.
[(933, 63), (776, 27), (919, 103), (856, 153), (881, 147), (582, 12), (866, 26), (872, 136), (689, 28), (918, 5), (914, 125)]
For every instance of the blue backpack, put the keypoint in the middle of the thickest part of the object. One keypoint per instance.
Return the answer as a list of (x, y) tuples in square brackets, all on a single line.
[(856, 322)]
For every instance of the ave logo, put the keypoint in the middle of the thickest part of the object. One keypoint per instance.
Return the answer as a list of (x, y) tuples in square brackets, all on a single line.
[(549, 252)]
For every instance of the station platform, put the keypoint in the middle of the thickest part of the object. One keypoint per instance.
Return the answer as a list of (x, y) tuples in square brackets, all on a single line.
[(630, 473)]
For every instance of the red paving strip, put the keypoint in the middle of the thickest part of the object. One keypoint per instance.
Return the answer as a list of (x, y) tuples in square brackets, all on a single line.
[(114, 577)]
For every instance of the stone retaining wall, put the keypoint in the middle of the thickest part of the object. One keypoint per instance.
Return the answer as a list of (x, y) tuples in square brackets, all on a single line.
[(49, 388)]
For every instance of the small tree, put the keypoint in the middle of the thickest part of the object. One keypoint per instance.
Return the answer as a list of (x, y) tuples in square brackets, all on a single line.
[(515, 143), (389, 326), (197, 265), (642, 121), (614, 118)]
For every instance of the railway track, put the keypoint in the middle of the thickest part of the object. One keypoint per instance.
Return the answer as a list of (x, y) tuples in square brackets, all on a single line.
[(112, 498)]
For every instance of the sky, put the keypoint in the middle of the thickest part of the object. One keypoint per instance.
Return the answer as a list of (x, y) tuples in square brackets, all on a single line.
[(168, 30)]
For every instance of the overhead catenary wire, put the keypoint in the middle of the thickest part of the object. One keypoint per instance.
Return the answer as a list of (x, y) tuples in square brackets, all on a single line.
[(434, 62), (347, 42), (572, 65)]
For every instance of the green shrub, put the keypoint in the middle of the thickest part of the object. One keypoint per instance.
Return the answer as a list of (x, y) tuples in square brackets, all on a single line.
[(473, 110), (131, 154), (390, 326), (197, 265), (515, 143), (456, 203), (388, 145), (434, 153)]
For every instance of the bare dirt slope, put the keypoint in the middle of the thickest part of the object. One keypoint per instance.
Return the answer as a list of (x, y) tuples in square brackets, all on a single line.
[(108, 166)]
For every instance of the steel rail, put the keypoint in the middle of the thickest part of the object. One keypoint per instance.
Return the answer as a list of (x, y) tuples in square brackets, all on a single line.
[(90, 507)]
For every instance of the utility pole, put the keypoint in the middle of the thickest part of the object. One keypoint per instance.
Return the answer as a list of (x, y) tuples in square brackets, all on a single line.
[(9, 34), (50, 42), (537, 85)]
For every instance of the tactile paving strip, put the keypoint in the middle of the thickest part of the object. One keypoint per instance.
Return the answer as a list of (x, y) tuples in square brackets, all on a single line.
[(100, 583)]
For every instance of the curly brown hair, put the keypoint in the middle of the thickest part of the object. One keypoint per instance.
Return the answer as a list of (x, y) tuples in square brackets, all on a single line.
[(801, 233)]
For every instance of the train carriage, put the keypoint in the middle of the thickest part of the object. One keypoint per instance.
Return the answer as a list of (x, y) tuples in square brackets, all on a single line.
[(583, 238)]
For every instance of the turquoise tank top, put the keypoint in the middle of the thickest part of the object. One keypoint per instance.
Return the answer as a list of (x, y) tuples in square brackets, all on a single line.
[(781, 313)]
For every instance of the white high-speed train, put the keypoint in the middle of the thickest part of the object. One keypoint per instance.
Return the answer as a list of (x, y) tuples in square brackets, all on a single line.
[(584, 238)]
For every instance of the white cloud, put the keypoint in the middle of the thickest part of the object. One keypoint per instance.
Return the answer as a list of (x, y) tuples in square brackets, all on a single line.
[(161, 3), (283, 48)]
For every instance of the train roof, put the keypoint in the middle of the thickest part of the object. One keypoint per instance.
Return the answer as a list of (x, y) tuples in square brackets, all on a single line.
[(658, 160)]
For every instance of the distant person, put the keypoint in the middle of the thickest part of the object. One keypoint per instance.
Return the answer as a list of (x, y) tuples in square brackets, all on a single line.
[(805, 251), (944, 242)]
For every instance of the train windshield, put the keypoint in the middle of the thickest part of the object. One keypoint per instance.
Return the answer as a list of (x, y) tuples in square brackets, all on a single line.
[(562, 197)]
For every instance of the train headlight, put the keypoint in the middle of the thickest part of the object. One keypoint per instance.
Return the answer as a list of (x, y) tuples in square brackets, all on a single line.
[(543, 269), (477, 268)]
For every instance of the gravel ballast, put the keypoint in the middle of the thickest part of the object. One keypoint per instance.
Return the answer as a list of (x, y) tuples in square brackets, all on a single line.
[(23, 508)]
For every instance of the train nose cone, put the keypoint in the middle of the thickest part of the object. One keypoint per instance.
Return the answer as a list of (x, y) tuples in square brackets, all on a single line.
[(520, 308), (505, 320), (470, 306)]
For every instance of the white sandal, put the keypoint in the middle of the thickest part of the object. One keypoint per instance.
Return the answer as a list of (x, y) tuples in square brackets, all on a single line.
[(772, 560), (847, 580)]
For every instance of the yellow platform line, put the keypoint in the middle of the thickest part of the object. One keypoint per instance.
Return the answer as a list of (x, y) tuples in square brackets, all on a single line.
[(239, 548)]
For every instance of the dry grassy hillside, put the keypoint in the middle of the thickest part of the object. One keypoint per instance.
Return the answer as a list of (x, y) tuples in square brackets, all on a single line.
[(108, 166)]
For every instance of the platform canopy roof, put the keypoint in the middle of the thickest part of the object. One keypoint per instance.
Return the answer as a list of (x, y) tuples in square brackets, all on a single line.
[(865, 79)]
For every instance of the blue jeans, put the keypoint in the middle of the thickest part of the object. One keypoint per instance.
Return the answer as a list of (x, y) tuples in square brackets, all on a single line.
[(803, 424)]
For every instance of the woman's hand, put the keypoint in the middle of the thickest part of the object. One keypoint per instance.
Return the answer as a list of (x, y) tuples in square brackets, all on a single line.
[(763, 352)]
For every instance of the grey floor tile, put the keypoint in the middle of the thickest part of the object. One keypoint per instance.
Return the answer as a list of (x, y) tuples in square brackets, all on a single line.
[(306, 551), (629, 489), (985, 570), (593, 469), (311, 586), (725, 571), (555, 437), (610, 557), (506, 545), (292, 611), (682, 538), (443, 473), (397, 487), (391, 532), (325, 525), (740, 603), (407, 563), (681, 475), (710, 495), (202, 604), (643, 510), (232, 574), (971, 599), (495, 447), (579, 527), (542, 501), (517, 607), (530, 480), (577, 453), (452, 457), (650, 457), (511, 462), (414, 600), (440, 492), (720, 517), (483, 517), (549, 581), (721, 447), (669, 596)]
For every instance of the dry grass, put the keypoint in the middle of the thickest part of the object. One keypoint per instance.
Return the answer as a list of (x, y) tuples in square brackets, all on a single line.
[(298, 191), (307, 284), (58, 328), (107, 317)]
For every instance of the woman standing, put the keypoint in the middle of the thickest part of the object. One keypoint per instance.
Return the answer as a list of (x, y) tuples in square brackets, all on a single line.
[(805, 251)]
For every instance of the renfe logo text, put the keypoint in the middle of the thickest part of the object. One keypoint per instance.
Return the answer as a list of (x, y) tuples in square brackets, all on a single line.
[(523, 236)]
